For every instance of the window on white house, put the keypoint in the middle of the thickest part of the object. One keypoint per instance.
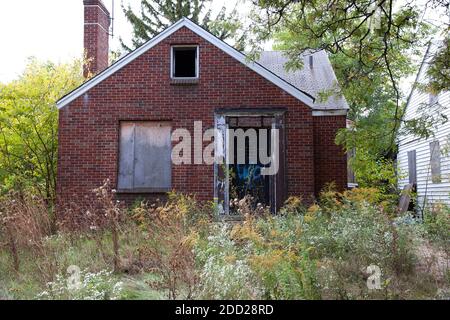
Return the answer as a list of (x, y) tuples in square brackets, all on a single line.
[(351, 154), (184, 63), (145, 156), (412, 171), (435, 161)]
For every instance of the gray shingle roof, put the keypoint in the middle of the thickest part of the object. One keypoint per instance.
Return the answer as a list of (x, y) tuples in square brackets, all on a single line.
[(319, 78)]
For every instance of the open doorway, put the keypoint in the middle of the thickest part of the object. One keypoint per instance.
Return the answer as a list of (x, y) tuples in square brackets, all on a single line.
[(245, 138), (246, 179)]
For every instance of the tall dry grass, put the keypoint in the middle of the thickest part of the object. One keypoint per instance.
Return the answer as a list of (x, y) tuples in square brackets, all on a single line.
[(25, 221)]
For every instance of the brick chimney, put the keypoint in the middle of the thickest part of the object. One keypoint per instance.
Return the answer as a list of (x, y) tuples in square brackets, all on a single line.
[(96, 36)]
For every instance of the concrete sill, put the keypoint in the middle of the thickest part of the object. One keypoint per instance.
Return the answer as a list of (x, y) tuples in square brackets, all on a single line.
[(144, 190), (184, 82)]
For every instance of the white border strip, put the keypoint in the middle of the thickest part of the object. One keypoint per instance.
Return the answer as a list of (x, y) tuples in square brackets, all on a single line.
[(184, 22)]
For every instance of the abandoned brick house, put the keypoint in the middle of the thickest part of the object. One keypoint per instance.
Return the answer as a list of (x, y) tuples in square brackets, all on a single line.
[(118, 124)]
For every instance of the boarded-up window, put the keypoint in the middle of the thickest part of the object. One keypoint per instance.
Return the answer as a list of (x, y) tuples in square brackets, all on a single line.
[(412, 172), (435, 161), (145, 156), (351, 154)]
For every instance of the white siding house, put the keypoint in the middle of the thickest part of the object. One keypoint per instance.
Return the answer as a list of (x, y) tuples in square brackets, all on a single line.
[(426, 162)]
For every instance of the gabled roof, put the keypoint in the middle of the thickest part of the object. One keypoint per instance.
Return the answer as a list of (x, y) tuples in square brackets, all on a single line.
[(301, 84), (184, 22), (414, 101), (433, 47), (320, 78)]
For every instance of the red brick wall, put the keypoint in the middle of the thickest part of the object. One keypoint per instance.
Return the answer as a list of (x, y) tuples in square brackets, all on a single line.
[(89, 126), (96, 27), (329, 159)]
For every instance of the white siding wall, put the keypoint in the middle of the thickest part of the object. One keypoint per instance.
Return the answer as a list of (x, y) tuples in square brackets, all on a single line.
[(428, 192)]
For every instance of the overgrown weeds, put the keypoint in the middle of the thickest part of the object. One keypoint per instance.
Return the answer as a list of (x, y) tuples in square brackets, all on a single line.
[(179, 249), (167, 248)]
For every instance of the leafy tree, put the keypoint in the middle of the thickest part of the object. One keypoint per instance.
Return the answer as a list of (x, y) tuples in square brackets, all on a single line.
[(372, 108), (371, 46), (28, 126), (439, 71), (156, 15)]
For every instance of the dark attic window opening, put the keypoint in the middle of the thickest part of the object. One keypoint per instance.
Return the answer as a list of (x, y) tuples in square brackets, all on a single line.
[(185, 62)]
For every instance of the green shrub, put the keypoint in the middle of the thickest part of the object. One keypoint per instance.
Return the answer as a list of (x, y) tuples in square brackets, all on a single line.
[(286, 274), (281, 260), (437, 225), (261, 258), (351, 231)]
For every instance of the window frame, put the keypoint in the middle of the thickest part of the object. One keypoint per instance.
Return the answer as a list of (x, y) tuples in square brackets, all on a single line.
[(197, 61)]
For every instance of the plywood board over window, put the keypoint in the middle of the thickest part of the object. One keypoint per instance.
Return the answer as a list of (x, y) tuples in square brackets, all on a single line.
[(435, 152), (145, 156), (412, 171)]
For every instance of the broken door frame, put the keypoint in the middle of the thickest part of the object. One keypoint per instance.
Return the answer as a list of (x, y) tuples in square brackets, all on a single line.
[(277, 186)]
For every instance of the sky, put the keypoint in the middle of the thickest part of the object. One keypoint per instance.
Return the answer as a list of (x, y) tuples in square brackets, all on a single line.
[(46, 29), (53, 30)]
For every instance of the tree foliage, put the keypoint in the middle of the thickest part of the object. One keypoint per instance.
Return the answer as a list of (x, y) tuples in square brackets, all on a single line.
[(28, 126), (373, 46), (439, 70), (156, 15)]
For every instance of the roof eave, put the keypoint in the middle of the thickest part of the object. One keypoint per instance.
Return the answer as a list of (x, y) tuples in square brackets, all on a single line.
[(184, 22)]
